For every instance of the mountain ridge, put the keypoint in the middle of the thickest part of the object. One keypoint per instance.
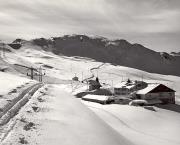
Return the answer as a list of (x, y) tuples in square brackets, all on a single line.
[(117, 52)]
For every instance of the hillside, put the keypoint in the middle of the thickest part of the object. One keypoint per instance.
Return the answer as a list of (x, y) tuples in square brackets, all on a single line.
[(54, 109), (117, 52), (61, 69)]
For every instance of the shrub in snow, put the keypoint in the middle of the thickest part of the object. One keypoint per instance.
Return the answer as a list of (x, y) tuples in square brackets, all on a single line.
[(40, 99), (13, 91), (35, 108), (29, 126), (22, 140)]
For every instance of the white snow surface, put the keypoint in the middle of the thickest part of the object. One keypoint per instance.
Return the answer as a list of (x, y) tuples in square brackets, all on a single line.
[(97, 97), (64, 120), (66, 68), (147, 89), (10, 81), (140, 126)]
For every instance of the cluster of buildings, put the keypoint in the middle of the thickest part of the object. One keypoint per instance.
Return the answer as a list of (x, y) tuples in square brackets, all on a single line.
[(153, 93), (127, 87)]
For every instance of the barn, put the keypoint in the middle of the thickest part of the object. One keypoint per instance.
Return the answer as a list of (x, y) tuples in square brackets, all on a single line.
[(94, 84), (157, 92)]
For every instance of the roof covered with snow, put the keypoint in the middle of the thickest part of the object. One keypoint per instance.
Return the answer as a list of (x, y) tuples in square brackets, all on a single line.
[(149, 88), (154, 88), (125, 84), (96, 97), (120, 85)]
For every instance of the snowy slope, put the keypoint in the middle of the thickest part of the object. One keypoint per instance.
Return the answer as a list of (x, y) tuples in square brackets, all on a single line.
[(10, 81), (64, 68), (141, 126), (119, 52), (62, 119), (73, 123)]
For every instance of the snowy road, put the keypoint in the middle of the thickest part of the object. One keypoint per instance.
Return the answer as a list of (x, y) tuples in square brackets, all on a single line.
[(53, 116), (60, 119)]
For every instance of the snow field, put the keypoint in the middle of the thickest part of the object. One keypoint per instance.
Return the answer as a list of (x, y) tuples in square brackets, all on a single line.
[(10, 81), (60, 118), (139, 125), (66, 122)]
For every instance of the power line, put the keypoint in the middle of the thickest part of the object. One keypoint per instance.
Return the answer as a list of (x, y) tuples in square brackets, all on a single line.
[(34, 72)]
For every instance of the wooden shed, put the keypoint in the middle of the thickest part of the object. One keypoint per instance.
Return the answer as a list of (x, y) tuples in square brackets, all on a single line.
[(157, 91), (94, 84)]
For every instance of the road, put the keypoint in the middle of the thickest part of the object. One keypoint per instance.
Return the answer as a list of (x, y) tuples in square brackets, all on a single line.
[(61, 119)]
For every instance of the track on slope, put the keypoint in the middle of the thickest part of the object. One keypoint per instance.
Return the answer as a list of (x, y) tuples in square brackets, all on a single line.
[(24, 96)]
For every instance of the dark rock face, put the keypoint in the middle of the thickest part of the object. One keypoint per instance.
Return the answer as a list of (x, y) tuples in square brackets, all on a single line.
[(117, 52), (15, 45), (175, 53)]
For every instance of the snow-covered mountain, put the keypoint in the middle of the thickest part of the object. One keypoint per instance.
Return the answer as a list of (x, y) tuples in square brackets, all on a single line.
[(117, 52), (62, 118), (60, 67), (175, 53)]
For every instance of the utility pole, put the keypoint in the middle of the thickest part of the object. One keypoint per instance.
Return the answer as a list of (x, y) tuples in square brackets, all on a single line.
[(3, 50), (41, 74), (72, 85), (82, 76), (38, 73), (112, 87), (71, 68), (142, 77), (31, 73), (87, 85)]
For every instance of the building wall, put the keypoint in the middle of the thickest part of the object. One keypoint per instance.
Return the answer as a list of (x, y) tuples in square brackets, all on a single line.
[(93, 87), (121, 91), (139, 86), (165, 97), (126, 91)]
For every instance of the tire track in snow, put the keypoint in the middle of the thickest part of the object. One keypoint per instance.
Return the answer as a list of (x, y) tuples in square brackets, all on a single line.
[(26, 95)]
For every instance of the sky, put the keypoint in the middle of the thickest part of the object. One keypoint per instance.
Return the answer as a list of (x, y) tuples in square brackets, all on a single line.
[(152, 23)]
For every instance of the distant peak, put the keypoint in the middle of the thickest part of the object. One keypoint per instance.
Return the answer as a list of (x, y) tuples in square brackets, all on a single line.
[(121, 42), (175, 53), (139, 45), (19, 41)]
